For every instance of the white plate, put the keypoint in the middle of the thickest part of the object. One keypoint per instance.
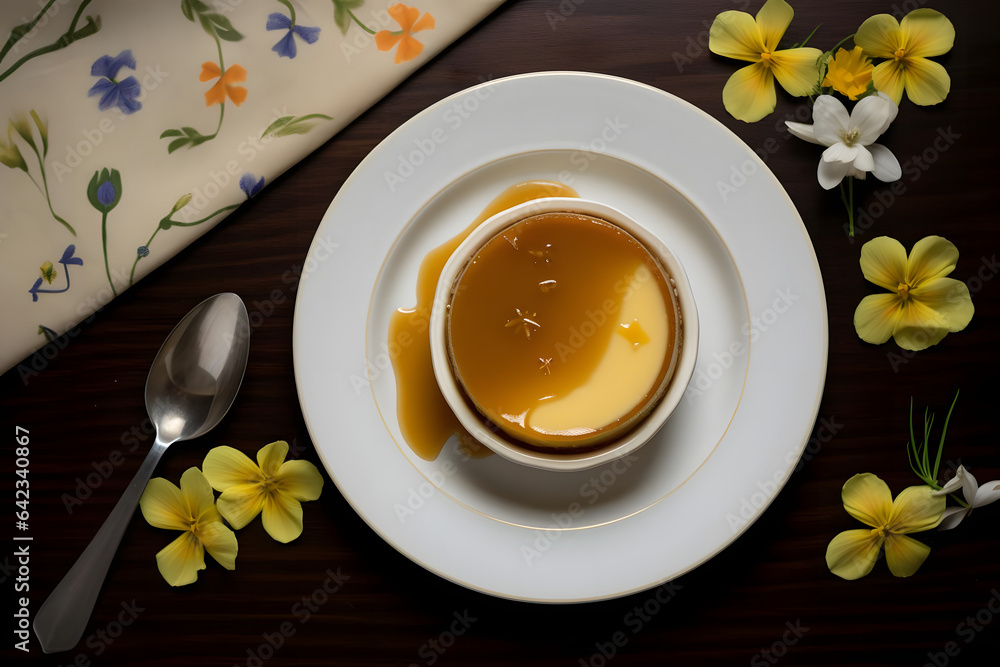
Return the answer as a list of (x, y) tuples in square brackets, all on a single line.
[(533, 535)]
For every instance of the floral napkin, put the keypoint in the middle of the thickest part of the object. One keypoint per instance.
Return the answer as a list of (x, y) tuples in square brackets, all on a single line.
[(134, 127)]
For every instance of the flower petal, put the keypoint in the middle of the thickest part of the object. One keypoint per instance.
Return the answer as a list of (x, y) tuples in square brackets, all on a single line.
[(904, 555), (426, 22), (852, 554), (403, 15), (868, 499), (385, 40), (282, 517), (919, 327), (931, 257), (409, 48), (225, 467), (196, 491), (889, 77), (802, 131), (915, 510), (238, 94), (987, 493), (278, 21), (735, 35), (270, 457), (952, 517), (797, 70), (841, 152), (863, 160), (220, 543), (309, 35), (285, 48), (180, 560), (749, 93), (830, 174), (209, 70), (879, 36), (876, 317), (886, 167), (872, 116), (927, 33), (773, 20), (830, 120), (163, 505), (240, 504), (954, 484), (300, 480), (950, 300), (883, 262), (927, 82)]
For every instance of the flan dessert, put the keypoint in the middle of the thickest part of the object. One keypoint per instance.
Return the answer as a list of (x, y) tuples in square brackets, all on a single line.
[(563, 331)]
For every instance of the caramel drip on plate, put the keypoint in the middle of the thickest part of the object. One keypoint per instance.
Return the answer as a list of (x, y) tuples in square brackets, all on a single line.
[(425, 419)]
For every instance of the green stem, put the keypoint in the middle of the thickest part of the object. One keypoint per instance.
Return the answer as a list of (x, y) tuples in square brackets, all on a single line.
[(291, 10), (358, 21), (808, 38), (16, 34), (834, 49), (174, 223), (104, 241), (848, 202), (65, 40), (48, 199)]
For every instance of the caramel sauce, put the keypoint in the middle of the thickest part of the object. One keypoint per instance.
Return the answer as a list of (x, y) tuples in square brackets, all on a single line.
[(562, 330), (425, 420)]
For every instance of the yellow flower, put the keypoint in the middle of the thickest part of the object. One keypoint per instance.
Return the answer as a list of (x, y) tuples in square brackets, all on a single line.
[(272, 486), (190, 509), (852, 554), (849, 72), (749, 93), (907, 45), (924, 305), (48, 272)]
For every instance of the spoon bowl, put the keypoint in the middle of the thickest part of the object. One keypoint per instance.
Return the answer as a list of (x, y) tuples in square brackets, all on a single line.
[(192, 384)]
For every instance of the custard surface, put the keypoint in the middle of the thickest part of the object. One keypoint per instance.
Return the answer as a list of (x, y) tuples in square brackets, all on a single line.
[(562, 330)]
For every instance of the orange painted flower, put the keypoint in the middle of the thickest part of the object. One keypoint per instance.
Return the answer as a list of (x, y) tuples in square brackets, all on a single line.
[(223, 87), (406, 17)]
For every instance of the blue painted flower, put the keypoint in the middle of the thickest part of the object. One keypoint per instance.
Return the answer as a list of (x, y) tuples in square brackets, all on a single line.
[(143, 251), (249, 186), (122, 94), (68, 256), (106, 193), (286, 46)]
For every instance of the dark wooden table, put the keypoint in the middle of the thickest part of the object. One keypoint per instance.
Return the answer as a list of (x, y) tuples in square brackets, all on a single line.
[(767, 599)]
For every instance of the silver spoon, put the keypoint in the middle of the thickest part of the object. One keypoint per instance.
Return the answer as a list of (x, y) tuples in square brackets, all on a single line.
[(191, 386)]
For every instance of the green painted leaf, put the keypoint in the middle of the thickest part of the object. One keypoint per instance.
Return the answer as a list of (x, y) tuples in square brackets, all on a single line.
[(341, 12), (188, 11), (43, 129), (289, 125), (177, 143), (191, 132), (171, 133)]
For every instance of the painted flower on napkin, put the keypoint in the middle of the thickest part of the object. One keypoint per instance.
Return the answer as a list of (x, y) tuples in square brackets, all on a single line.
[(407, 18), (272, 487), (113, 92)]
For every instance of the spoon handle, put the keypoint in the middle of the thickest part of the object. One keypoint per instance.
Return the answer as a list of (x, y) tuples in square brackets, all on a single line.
[(62, 618)]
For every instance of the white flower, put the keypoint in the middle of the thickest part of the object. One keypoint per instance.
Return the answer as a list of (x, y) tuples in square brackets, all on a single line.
[(850, 138), (975, 496)]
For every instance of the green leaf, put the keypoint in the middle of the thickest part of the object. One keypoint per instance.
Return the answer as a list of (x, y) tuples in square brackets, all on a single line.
[(43, 130), (289, 125), (171, 133), (188, 11), (177, 143), (191, 132), (341, 12)]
